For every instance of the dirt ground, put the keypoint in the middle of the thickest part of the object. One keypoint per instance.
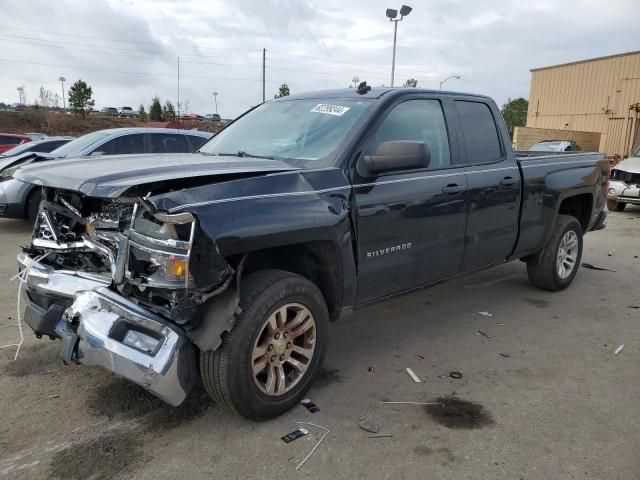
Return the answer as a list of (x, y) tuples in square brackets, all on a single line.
[(542, 394)]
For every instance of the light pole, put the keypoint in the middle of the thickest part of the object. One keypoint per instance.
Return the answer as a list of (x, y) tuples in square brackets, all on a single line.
[(355, 81), (457, 77), (215, 99), (64, 103), (391, 15)]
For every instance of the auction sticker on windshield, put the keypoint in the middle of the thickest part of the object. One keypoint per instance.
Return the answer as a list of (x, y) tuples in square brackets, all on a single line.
[(337, 110)]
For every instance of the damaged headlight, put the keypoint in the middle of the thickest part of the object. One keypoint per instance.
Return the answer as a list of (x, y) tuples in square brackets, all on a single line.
[(160, 248)]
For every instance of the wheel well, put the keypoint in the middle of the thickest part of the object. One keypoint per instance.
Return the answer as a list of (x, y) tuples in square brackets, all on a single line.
[(34, 191), (319, 262), (578, 206)]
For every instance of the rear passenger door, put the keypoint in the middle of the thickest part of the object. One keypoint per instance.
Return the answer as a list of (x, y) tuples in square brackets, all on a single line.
[(493, 181), (168, 143), (410, 223)]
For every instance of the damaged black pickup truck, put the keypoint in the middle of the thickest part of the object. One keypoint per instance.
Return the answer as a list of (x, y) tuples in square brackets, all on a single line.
[(226, 266)]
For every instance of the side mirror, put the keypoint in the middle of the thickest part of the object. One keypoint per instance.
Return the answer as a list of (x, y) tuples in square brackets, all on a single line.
[(398, 155)]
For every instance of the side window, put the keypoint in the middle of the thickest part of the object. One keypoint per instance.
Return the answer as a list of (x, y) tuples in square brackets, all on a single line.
[(167, 143), (417, 120), (479, 131), (124, 145), (50, 146), (10, 140), (196, 142)]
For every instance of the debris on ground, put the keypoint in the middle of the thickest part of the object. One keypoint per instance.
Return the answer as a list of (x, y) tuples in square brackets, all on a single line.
[(500, 324), (382, 435), (455, 375), (484, 313), (372, 369), (309, 405), (610, 254), (290, 437), (458, 413), (54, 396), (413, 375), (326, 432), (419, 357), (412, 403), (505, 355), (619, 349), (367, 424), (593, 267), (633, 306), (482, 332)]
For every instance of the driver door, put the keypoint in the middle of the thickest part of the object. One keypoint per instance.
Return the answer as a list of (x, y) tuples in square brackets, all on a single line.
[(411, 223)]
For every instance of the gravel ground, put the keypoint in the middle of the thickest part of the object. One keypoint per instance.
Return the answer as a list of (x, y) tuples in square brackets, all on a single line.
[(542, 394)]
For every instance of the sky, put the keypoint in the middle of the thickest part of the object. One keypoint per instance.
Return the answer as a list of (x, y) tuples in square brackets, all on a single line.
[(127, 50)]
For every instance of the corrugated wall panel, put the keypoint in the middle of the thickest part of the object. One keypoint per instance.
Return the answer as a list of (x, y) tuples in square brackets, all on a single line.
[(574, 97)]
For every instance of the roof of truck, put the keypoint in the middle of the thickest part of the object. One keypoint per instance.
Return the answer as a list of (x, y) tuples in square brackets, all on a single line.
[(375, 92)]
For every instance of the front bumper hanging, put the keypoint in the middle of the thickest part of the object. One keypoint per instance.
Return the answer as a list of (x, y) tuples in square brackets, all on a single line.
[(100, 327)]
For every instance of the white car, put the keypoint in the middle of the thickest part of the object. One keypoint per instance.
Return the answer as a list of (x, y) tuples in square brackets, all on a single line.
[(624, 186)]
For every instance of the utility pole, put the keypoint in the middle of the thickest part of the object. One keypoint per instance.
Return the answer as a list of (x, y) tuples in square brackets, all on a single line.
[(264, 60), (178, 104), (64, 103), (215, 99)]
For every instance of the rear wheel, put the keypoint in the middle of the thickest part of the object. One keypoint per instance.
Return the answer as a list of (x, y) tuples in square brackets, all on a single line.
[(33, 204), (555, 267), (272, 356), (615, 205)]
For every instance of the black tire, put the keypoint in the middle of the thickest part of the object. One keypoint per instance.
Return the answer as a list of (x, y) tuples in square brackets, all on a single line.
[(33, 204), (615, 205), (227, 372), (542, 267)]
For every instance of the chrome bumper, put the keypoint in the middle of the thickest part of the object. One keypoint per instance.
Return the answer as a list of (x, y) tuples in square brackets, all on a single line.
[(94, 326)]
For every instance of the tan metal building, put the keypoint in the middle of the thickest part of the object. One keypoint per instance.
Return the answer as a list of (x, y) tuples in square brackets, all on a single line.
[(595, 102)]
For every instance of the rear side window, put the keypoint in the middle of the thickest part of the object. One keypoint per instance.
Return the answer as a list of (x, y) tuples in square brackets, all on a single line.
[(9, 140), (417, 120), (196, 142), (50, 146), (167, 143), (479, 131), (124, 145)]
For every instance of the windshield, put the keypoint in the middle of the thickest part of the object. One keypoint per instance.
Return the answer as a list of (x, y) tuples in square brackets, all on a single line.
[(25, 147), (546, 147), (304, 130), (74, 147)]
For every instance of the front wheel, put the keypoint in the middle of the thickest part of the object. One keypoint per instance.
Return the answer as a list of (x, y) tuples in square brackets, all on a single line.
[(272, 356), (615, 205), (555, 267)]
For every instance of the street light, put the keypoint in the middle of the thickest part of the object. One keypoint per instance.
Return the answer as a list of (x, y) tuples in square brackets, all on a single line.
[(391, 15), (215, 99), (457, 77), (64, 103)]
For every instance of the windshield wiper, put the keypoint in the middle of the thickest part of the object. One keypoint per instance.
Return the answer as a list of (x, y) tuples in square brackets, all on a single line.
[(242, 154)]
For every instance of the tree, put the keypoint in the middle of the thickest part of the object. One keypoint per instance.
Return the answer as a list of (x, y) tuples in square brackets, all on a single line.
[(515, 113), (80, 99), (168, 111), (142, 114), (412, 82), (283, 91), (46, 98), (155, 110)]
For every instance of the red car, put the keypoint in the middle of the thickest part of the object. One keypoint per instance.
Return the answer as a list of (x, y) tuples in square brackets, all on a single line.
[(10, 140)]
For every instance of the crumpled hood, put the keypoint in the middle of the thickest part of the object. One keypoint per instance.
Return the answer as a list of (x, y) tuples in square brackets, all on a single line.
[(14, 160), (111, 176), (631, 165)]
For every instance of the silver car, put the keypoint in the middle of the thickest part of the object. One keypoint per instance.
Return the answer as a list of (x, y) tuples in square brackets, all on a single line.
[(22, 200), (624, 185), (556, 146)]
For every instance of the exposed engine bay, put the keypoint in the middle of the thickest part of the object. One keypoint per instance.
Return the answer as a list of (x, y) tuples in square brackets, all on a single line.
[(164, 263)]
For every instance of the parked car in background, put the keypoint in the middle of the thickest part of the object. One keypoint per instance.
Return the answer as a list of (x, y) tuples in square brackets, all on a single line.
[(20, 200), (556, 146), (11, 140), (46, 145), (127, 112), (36, 135), (624, 185), (109, 111), (212, 117)]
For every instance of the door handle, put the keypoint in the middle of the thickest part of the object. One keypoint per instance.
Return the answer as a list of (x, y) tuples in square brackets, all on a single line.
[(453, 188), (508, 181)]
